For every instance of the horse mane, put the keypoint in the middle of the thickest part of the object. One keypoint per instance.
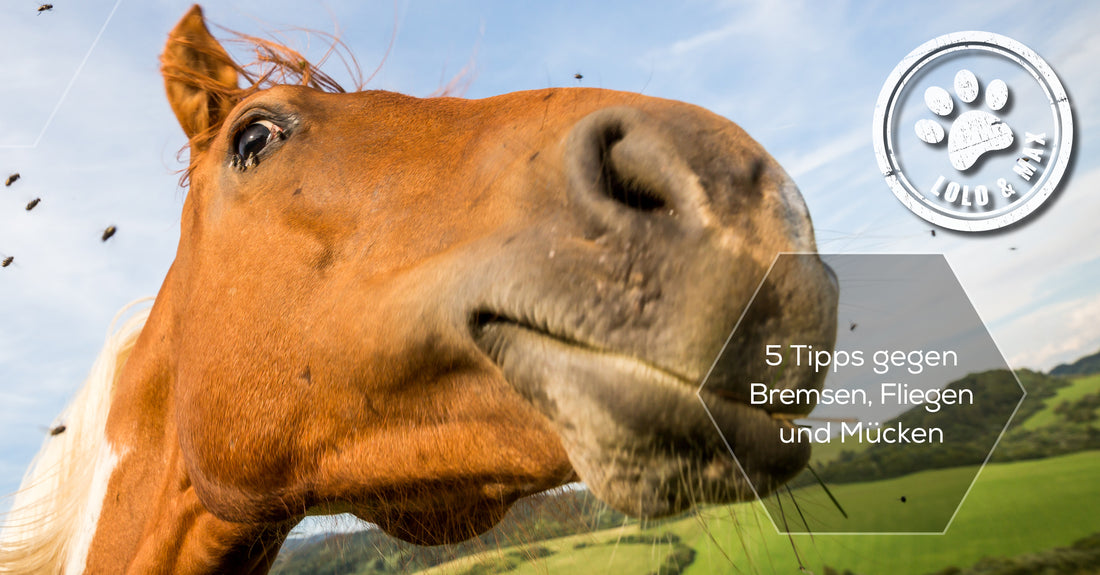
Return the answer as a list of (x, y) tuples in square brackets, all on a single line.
[(53, 513)]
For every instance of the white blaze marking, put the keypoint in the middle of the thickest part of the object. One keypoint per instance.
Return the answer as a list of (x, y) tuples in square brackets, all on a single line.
[(105, 463)]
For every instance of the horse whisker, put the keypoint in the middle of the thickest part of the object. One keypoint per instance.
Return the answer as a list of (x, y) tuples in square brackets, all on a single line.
[(827, 492), (799, 510), (790, 537)]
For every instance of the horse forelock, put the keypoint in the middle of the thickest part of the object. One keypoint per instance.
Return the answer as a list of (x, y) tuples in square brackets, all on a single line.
[(54, 514)]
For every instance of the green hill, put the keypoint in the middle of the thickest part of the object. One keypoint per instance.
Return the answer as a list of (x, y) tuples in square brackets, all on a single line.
[(1057, 416), (970, 432), (1066, 400), (1065, 419), (1023, 508), (371, 551), (1087, 365), (1004, 516)]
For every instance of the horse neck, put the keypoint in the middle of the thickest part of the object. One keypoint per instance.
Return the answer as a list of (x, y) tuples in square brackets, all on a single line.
[(111, 493)]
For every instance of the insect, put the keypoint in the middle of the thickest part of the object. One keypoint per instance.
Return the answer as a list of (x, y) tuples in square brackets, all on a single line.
[(7, 261), (11, 179), (933, 233), (1013, 248), (578, 76), (57, 429), (110, 231), (903, 499), (852, 326), (31, 204), (44, 8)]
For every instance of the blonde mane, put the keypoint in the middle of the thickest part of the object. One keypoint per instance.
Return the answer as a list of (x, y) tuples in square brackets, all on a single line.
[(55, 510)]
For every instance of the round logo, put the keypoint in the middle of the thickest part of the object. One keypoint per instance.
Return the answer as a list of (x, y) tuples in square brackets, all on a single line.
[(973, 131)]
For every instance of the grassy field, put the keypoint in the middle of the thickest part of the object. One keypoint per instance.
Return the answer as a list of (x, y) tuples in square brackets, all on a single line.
[(930, 499), (1013, 508), (1080, 388), (1022, 508)]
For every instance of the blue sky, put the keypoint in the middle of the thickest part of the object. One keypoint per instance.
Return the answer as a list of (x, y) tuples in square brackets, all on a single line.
[(800, 77)]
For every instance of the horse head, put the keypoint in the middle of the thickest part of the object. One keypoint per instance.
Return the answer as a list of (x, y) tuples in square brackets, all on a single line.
[(420, 310)]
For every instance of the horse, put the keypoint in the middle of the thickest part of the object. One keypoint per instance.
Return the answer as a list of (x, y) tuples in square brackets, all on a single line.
[(419, 311)]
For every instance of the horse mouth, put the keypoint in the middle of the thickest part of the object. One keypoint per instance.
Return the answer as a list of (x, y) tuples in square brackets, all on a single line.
[(637, 433), (491, 331)]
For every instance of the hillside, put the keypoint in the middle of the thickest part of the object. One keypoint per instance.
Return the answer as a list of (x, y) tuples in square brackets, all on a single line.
[(1058, 416), (371, 551), (1087, 365), (1041, 531), (570, 530)]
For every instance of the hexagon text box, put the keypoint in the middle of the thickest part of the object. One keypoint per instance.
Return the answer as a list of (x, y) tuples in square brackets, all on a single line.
[(916, 397)]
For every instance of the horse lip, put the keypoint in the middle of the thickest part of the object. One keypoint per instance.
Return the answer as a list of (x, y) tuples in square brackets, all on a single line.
[(482, 321), (628, 443), (725, 395)]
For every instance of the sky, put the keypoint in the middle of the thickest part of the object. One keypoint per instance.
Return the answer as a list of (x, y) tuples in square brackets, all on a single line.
[(84, 120)]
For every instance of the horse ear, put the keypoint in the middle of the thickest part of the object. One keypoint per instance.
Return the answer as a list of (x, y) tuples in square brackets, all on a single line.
[(199, 76)]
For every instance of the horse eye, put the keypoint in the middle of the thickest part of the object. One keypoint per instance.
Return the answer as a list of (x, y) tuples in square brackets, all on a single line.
[(254, 137)]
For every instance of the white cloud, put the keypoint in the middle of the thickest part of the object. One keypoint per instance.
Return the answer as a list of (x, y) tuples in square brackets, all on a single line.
[(1076, 323), (842, 148)]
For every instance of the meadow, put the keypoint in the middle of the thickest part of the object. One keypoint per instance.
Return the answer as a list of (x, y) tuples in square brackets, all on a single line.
[(1037, 497), (1013, 509)]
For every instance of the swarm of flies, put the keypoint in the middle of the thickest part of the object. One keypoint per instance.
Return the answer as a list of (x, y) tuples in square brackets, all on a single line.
[(14, 177)]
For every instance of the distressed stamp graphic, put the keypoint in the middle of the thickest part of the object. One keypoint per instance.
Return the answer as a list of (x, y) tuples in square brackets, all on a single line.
[(993, 131)]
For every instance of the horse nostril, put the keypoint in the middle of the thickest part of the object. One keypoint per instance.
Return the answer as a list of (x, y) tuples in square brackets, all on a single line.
[(623, 166), (620, 185)]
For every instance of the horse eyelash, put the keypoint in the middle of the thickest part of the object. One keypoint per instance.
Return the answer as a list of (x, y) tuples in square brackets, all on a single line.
[(242, 164)]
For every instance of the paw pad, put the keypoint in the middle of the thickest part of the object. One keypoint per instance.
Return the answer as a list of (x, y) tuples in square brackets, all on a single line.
[(973, 133)]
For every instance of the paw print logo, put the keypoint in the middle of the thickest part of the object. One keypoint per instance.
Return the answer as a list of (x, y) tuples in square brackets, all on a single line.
[(973, 133), (1002, 174)]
